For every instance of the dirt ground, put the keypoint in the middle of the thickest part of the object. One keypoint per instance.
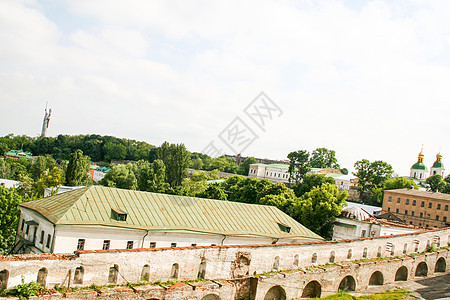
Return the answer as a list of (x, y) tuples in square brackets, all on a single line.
[(429, 288)]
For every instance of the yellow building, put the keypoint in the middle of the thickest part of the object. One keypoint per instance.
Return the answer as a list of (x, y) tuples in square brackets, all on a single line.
[(420, 208)]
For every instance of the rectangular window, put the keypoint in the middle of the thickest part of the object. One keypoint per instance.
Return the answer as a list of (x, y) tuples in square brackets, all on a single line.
[(398, 200), (412, 213), (407, 201), (422, 204), (430, 205), (437, 218), (389, 209), (444, 219), (130, 245), (22, 226), (41, 240), (152, 244), (213, 245), (173, 245), (446, 208), (363, 233), (406, 212), (80, 245), (439, 206), (397, 210), (390, 198), (27, 229), (421, 215), (414, 202), (106, 244), (193, 245), (49, 237), (428, 216)]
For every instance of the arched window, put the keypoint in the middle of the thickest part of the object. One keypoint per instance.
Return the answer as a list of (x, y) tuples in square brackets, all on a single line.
[(296, 259), (113, 274), (276, 264), (365, 253), (314, 258), (332, 256), (4, 276), (349, 254), (145, 274), (78, 276), (202, 269), (379, 251), (405, 248), (392, 250), (42, 277), (174, 271)]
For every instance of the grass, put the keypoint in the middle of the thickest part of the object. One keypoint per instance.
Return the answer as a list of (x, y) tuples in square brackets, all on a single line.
[(395, 294)]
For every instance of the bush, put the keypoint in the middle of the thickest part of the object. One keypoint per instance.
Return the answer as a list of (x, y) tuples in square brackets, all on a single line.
[(26, 290)]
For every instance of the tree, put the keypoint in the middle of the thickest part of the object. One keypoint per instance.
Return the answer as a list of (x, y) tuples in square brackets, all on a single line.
[(52, 178), (399, 183), (176, 159), (298, 165), (77, 169), (244, 167), (344, 171), (309, 182), (151, 178), (317, 208), (372, 174), (435, 183), (214, 191), (9, 218), (324, 158), (121, 176), (41, 164)]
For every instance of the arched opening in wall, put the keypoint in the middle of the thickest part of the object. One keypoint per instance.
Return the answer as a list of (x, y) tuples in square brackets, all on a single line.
[(174, 271), (441, 265), (145, 274), (405, 248), (380, 249), (332, 257), (78, 275), (314, 258), (416, 246), (377, 278), (296, 260), (42, 277), (312, 290), (401, 274), (202, 269), (211, 297), (276, 264), (275, 293), (422, 269), (4, 276), (349, 254), (113, 274), (365, 253), (240, 267), (347, 284), (428, 245)]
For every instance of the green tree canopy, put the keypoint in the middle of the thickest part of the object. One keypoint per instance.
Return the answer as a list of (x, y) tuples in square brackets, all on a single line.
[(298, 165), (41, 164), (324, 158), (77, 169), (9, 218), (435, 183), (52, 179), (309, 182), (244, 167), (372, 174), (317, 208), (121, 176), (176, 159)]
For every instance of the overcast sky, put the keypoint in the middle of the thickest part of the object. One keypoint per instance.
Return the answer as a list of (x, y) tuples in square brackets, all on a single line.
[(368, 79)]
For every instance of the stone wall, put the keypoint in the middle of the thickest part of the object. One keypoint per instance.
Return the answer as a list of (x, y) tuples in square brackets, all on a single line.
[(105, 267)]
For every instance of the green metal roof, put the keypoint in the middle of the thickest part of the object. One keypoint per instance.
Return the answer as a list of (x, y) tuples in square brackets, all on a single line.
[(419, 166), (438, 164), (19, 153), (151, 211)]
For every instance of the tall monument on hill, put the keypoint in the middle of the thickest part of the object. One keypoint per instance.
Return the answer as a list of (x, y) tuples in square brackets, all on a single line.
[(46, 121)]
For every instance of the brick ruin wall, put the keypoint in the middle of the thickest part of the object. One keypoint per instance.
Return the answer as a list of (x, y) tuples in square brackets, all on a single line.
[(231, 263)]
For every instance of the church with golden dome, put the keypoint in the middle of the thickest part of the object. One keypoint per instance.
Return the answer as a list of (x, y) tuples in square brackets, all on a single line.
[(420, 171)]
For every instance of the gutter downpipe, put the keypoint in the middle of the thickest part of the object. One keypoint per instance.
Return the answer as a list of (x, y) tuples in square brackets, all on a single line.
[(224, 237), (53, 239), (143, 238)]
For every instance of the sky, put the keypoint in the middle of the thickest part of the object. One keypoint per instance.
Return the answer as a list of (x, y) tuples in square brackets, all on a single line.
[(368, 79)]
